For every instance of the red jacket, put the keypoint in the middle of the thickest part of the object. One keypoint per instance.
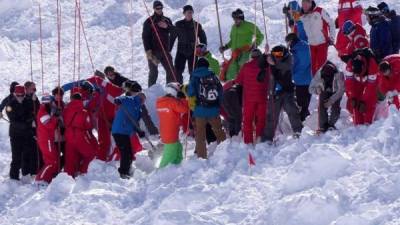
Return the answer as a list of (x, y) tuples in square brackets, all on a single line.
[(349, 10), (392, 82), (46, 125), (77, 120), (358, 40), (253, 91)]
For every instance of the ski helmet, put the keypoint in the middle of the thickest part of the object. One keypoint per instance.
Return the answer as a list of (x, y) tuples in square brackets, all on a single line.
[(173, 88), (348, 27)]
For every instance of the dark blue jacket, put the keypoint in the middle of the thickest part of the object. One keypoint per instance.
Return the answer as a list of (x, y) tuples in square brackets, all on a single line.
[(193, 90), (381, 38), (301, 63), (128, 110), (395, 28)]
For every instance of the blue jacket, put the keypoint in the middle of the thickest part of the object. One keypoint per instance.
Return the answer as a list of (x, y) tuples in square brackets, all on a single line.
[(301, 63), (193, 90), (123, 124), (395, 28), (381, 38), (301, 33)]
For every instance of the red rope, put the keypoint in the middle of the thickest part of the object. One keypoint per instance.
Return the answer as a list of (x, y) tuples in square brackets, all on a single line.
[(160, 42), (59, 42), (84, 35), (41, 47), (79, 39)]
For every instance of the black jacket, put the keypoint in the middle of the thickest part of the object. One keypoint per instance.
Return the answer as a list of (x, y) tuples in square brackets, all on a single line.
[(149, 36), (5, 101), (21, 118), (282, 74), (118, 80), (185, 32)]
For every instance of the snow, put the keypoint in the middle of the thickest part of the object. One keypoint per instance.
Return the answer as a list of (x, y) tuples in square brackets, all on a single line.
[(344, 177)]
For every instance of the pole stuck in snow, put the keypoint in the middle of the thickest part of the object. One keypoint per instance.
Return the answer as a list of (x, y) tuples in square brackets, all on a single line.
[(219, 27), (30, 58), (41, 46), (265, 22)]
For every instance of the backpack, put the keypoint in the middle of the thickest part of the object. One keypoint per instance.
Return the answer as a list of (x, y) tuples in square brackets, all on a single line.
[(209, 91)]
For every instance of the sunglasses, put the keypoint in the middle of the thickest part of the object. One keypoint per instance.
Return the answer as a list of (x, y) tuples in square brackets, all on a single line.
[(277, 54)]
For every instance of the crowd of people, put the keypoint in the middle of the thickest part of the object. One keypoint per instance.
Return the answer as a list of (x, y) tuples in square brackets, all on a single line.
[(244, 96)]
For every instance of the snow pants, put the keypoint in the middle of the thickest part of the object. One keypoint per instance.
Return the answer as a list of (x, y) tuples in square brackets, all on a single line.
[(303, 98), (124, 145), (326, 120), (180, 63), (319, 55), (80, 150), (51, 158), (166, 62), (367, 117), (22, 156), (233, 108), (172, 154), (253, 113), (201, 123)]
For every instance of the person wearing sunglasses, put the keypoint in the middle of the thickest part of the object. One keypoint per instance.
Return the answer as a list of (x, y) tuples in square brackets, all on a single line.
[(156, 38)]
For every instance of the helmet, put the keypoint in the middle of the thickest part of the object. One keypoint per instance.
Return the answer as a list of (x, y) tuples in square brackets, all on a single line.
[(173, 88), (47, 98), (348, 27)]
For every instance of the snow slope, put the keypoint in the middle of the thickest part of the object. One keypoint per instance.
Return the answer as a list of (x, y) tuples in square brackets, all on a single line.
[(345, 177)]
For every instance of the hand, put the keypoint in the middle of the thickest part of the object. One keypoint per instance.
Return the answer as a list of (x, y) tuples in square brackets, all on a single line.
[(285, 10), (362, 107), (162, 24), (141, 133), (222, 49)]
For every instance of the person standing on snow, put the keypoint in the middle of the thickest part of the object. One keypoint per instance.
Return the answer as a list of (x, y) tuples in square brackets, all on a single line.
[(283, 98), (348, 10), (170, 109), (48, 119), (357, 39), (394, 25), (242, 40), (156, 37), (301, 72), (328, 84), (320, 30), (389, 79), (380, 34), (361, 86), (207, 89), (58, 94), (293, 13), (126, 124), (80, 144), (185, 30)]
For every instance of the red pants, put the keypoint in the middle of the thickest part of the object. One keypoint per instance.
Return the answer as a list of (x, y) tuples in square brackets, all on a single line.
[(364, 118), (319, 55), (104, 139), (253, 112), (51, 157), (136, 147), (79, 152)]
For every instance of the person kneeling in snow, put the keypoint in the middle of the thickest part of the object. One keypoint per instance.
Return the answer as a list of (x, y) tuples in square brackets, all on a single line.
[(328, 84), (170, 109), (389, 79), (125, 124)]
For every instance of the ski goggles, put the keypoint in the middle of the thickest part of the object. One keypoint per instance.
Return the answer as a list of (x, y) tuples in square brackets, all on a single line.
[(277, 54)]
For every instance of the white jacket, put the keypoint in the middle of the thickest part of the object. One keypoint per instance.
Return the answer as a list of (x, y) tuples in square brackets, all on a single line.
[(319, 27)]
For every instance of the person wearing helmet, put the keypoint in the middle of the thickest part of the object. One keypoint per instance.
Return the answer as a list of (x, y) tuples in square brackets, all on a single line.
[(389, 79), (241, 42), (357, 39), (293, 13), (202, 51), (380, 34), (394, 25), (361, 86), (170, 109)]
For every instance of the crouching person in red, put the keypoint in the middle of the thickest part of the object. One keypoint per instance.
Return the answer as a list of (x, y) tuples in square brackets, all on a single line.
[(255, 92), (389, 79), (361, 86), (48, 119), (80, 147)]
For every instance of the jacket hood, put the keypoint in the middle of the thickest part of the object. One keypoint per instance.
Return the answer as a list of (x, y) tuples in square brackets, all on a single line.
[(202, 72)]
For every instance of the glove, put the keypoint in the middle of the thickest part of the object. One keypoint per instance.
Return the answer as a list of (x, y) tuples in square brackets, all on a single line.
[(222, 49), (141, 133), (152, 58), (117, 101), (181, 95), (362, 107), (184, 89), (192, 102), (285, 10)]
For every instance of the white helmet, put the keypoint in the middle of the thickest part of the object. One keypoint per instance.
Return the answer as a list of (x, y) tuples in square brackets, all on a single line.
[(173, 88)]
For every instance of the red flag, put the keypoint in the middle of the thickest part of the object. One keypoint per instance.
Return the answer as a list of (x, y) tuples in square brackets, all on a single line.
[(252, 162)]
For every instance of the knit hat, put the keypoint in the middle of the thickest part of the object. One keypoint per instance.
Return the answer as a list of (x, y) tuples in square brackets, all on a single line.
[(329, 69), (157, 4), (109, 69), (172, 89), (132, 86), (188, 8), (19, 90), (47, 98), (12, 86), (238, 14), (348, 27), (383, 7), (202, 62)]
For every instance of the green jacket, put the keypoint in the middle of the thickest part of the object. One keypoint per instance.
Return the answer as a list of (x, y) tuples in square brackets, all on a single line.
[(243, 35), (214, 64)]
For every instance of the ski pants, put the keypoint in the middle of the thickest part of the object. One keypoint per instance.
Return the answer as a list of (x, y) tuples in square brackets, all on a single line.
[(166, 62), (201, 123), (22, 156), (326, 120), (319, 55), (232, 106), (51, 158), (124, 145), (104, 135), (303, 98), (180, 62), (253, 113), (80, 150), (287, 102), (172, 154), (366, 117)]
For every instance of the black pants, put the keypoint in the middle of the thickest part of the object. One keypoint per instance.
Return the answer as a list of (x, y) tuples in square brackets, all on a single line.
[(167, 63), (124, 145), (303, 98), (180, 63), (327, 120), (232, 106), (22, 156)]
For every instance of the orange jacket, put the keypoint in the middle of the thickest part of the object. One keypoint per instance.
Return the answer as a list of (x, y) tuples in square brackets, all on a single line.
[(169, 111)]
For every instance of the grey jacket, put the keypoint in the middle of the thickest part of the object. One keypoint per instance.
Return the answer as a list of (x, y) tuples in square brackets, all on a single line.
[(338, 88)]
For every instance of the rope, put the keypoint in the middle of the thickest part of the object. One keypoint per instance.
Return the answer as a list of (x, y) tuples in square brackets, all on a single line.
[(84, 35), (219, 28), (131, 37), (30, 58), (41, 47), (160, 42)]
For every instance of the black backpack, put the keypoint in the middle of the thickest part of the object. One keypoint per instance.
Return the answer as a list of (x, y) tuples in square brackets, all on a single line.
[(208, 91)]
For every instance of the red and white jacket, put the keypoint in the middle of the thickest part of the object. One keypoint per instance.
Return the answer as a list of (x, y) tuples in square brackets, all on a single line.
[(349, 10), (390, 85), (46, 126), (357, 40)]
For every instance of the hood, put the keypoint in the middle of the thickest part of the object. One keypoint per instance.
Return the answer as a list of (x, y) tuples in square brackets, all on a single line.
[(202, 72)]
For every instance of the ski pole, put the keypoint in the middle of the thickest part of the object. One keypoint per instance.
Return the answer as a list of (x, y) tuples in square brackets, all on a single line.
[(219, 27), (286, 22)]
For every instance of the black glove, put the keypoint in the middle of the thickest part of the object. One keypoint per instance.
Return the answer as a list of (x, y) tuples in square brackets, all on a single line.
[(181, 95), (285, 10), (141, 133), (362, 107)]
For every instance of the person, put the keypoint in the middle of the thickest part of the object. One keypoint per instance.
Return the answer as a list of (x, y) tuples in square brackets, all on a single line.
[(59, 140), (124, 126), (389, 79), (170, 109), (348, 10), (119, 80), (320, 30), (156, 36), (232, 104), (283, 98), (80, 144), (255, 91), (202, 51), (241, 42), (301, 68), (357, 38), (328, 84), (188, 32), (207, 89), (293, 13), (20, 115), (361, 86), (47, 121), (380, 34), (7, 99), (394, 25)]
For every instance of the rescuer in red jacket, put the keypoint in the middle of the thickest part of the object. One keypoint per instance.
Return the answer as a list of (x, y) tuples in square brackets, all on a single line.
[(389, 79)]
